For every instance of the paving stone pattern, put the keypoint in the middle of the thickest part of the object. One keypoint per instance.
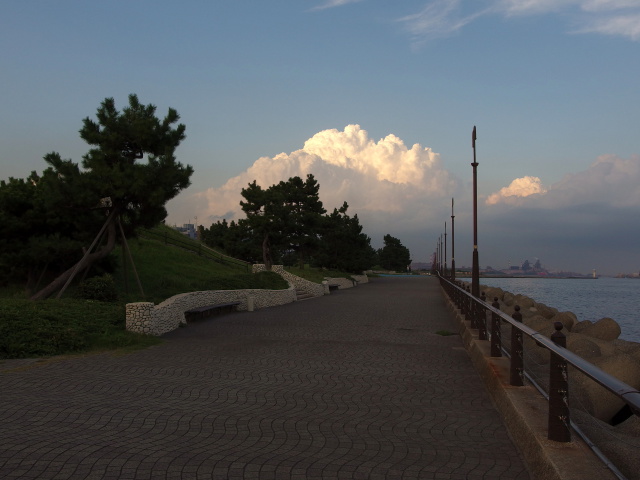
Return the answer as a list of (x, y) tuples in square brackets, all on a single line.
[(356, 385)]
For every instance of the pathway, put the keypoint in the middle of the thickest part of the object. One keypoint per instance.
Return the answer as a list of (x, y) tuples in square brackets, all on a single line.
[(356, 385)]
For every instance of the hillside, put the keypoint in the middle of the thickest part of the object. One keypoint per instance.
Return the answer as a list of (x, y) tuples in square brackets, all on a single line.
[(169, 263)]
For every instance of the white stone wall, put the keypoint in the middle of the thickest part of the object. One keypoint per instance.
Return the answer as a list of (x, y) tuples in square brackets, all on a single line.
[(139, 317), (347, 282), (340, 281), (150, 319), (145, 317), (306, 286)]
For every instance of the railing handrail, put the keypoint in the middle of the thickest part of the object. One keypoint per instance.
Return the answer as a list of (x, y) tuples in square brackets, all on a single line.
[(628, 394)]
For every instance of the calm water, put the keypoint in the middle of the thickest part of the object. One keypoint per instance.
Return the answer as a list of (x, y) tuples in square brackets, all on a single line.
[(617, 298)]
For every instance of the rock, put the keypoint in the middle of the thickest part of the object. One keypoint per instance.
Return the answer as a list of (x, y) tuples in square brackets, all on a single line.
[(509, 299), (631, 426), (604, 329), (507, 309), (568, 319), (524, 301), (582, 346), (618, 443), (491, 292), (630, 348), (580, 326), (537, 322), (546, 312), (586, 394)]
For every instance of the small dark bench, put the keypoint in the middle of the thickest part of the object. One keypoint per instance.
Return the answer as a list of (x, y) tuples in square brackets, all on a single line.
[(333, 286), (208, 310)]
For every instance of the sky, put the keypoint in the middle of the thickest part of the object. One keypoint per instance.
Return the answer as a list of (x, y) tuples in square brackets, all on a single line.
[(376, 98)]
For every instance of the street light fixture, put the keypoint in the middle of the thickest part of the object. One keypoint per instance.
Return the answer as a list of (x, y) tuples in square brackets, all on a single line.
[(475, 274), (453, 246)]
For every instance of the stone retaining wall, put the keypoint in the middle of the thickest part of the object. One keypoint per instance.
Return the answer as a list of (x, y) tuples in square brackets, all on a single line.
[(341, 282), (150, 319), (306, 286), (360, 278), (347, 282)]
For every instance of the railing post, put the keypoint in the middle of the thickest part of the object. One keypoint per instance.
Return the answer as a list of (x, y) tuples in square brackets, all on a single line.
[(469, 307), (517, 364), (482, 318), (496, 342), (559, 419), (472, 310), (463, 302)]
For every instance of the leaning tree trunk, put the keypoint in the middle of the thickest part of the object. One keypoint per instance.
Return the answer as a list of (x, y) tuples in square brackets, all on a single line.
[(266, 253), (85, 262)]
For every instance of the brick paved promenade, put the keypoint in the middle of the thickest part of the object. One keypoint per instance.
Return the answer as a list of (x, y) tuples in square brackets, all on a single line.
[(354, 385)]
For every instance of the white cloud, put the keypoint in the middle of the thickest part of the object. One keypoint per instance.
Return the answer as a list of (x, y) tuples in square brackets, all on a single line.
[(610, 181), (384, 182), (599, 5), (334, 3), (440, 18), (519, 188), (625, 26)]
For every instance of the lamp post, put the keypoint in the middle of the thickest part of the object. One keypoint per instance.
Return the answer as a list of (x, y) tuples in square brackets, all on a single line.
[(453, 246), (445, 249), (441, 264), (475, 274)]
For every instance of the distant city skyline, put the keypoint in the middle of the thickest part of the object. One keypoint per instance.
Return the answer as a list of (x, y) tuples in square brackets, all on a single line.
[(376, 98)]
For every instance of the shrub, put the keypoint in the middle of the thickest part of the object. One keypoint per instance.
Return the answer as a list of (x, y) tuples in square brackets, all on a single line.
[(54, 327), (101, 288)]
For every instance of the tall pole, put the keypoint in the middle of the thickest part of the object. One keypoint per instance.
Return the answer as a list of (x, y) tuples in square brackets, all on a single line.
[(475, 275), (453, 246), (445, 249), (440, 240)]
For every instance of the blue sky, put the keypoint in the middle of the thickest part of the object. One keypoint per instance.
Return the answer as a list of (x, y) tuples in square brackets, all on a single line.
[(552, 86)]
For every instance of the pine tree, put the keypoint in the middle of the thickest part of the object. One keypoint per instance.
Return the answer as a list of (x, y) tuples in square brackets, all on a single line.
[(115, 186)]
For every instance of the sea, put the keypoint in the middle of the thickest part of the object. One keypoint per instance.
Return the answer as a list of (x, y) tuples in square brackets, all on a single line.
[(589, 299)]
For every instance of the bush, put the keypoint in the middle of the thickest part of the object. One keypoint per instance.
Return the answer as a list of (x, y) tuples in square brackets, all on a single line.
[(55, 327), (101, 288)]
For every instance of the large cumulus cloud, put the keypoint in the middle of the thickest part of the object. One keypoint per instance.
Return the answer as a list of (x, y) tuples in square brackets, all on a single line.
[(384, 182)]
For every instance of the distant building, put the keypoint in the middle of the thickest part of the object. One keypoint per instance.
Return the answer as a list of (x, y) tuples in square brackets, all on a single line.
[(188, 229)]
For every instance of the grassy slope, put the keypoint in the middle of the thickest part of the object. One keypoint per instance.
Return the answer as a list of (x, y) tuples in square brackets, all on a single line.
[(165, 271)]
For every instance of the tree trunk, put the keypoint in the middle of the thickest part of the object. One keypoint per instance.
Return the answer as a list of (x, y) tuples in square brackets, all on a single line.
[(85, 262), (266, 253)]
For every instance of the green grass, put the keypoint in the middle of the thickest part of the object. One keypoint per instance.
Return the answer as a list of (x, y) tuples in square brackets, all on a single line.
[(166, 271), (316, 275), (445, 333), (54, 327)]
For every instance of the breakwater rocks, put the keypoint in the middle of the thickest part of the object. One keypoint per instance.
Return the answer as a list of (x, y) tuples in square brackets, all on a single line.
[(606, 419)]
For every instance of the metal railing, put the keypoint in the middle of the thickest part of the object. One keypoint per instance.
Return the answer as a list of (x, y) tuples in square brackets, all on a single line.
[(475, 310), (197, 248)]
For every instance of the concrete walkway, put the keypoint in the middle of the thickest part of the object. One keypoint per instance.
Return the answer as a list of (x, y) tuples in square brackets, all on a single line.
[(354, 385)]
